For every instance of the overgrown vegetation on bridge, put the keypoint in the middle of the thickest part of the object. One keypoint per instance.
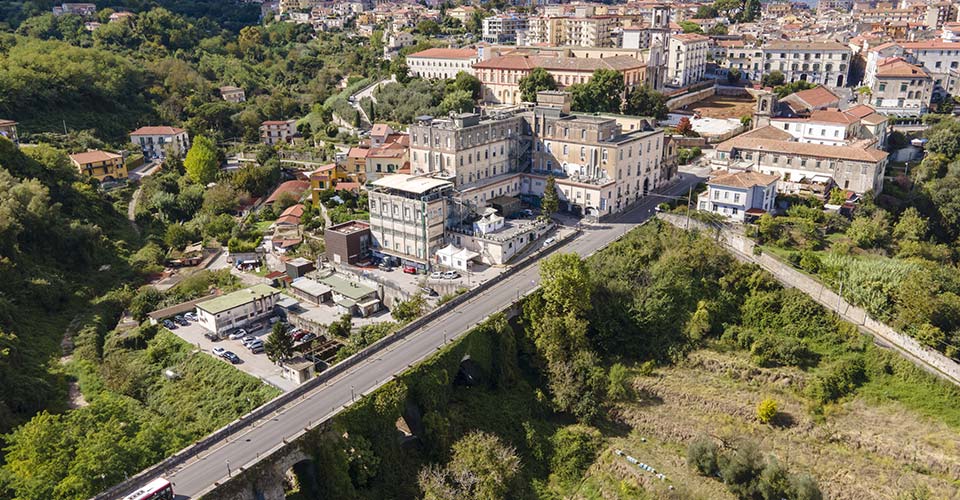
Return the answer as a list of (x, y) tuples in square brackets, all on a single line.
[(528, 407)]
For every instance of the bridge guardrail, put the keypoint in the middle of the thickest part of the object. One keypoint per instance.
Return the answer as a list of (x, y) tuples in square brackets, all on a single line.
[(273, 405)]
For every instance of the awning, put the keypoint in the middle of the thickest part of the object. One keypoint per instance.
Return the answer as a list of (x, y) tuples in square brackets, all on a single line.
[(448, 251), (466, 255), (756, 211), (822, 179)]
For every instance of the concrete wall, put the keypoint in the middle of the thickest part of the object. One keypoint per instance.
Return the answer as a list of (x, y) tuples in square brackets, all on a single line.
[(688, 98), (743, 249)]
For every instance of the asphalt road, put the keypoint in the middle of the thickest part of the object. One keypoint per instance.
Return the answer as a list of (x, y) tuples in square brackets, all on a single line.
[(197, 476)]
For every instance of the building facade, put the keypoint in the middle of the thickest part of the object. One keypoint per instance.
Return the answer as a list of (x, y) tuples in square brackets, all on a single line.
[(274, 132), (237, 309), (156, 141), (826, 63), (230, 93), (503, 28), (686, 59), (407, 217), (739, 195), (8, 129), (348, 243), (439, 63), (103, 166), (900, 88)]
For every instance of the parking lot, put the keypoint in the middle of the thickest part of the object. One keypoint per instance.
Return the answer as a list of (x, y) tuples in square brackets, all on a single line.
[(256, 365)]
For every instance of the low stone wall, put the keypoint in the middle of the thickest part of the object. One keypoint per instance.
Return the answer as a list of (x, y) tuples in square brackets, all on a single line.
[(688, 98), (743, 248)]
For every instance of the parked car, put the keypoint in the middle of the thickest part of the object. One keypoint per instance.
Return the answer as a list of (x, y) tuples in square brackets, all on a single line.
[(527, 212), (409, 269), (169, 324), (299, 334), (218, 351), (231, 357), (385, 267), (308, 337), (212, 336), (436, 275), (451, 275), (549, 241), (256, 348), (255, 344), (180, 321), (239, 333), (248, 340), (190, 316), (429, 292)]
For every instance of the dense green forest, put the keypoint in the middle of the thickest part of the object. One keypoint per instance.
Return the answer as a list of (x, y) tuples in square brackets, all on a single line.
[(531, 409)]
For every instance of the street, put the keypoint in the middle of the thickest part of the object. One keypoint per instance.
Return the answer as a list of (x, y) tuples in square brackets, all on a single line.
[(197, 475)]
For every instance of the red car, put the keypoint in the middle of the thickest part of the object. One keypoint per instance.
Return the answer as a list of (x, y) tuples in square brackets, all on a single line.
[(409, 269), (299, 334)]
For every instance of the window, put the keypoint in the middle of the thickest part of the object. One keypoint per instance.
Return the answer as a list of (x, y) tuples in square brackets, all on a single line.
[(736, 198)]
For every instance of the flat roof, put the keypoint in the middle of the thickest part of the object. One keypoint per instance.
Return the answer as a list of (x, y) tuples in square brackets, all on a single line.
[(410, 183), (347, 288), (237, 299), (310, 286)]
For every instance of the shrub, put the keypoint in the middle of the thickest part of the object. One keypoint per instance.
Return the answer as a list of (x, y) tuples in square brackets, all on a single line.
[(766, 411), (702, 456), (741, 469), (619, 382), (837, 380), (574, 449)]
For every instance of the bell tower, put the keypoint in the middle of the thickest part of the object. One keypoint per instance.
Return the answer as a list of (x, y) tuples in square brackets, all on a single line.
[(766, 108)]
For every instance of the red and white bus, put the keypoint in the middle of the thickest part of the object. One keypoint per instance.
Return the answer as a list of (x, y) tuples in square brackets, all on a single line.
[(158, 489)]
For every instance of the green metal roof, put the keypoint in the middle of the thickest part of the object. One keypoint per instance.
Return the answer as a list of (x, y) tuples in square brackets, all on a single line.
[(237, 299), (347, 288)]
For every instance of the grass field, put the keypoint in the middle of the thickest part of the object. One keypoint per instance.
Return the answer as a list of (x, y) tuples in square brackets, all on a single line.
[(724, 106), (865, 447)]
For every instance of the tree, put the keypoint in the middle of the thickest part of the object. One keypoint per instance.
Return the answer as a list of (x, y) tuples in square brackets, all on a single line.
[(466, 82), (717, 29), (766, 410), (911, 226), (645, 101), (773, 79), (690, 27), (550, 201), (408, 310), (459, 101), (728, 8), (602, 94), (792, 87), (574, 448), (618, 387), (560, 274), (706, 11), (279, 344), (751, 11), (221, 199), (481, 467), (535, 81), (741, 469), (702, 456), (684, 127), (870, 232), (341, 328), (733, 76), (178, 236), (202, 161)]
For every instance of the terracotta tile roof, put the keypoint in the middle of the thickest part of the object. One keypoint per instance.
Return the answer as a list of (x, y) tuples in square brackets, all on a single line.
[(527, 62), (293, 210), (162, 130), (93, 156), (767, 132), (691, 37), (277, 122), (746, 179), (7, 123), (930, 44), (817, 97), (348, 186), (323, 170), (358, 152), (860, 110), (803, 149), (296, 188), (797, 45), (833, 116), (380, 129), (439, 53), (897, 67)]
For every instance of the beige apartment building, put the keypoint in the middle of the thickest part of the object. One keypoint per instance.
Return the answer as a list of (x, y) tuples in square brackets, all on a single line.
[(826, 63), (407, 217), (599, 168), (900, 88), (500, 76)]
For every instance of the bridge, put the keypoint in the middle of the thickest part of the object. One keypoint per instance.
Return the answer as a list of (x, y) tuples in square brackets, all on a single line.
[(246, 459)]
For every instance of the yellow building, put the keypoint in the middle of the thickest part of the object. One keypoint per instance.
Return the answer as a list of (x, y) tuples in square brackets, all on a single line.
[(322, 179), (101, 165)]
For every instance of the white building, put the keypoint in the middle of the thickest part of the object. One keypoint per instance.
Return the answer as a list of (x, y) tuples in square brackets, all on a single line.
[(503, 28), (687, 59), (739, 195), (826, 63), (442, 63), (237, 309), (155, 141), (277, 131), (900, 88)]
